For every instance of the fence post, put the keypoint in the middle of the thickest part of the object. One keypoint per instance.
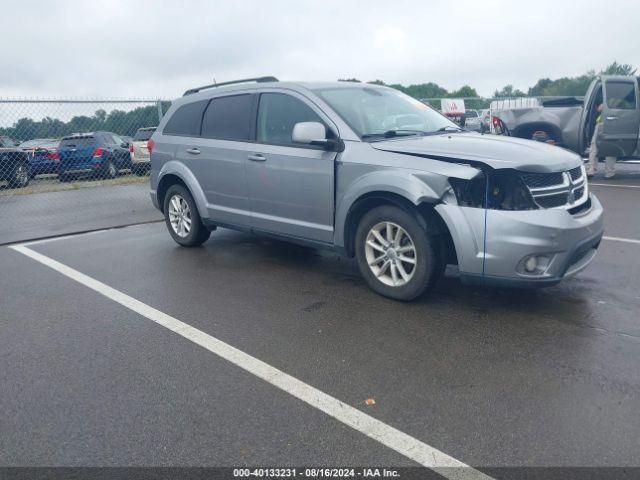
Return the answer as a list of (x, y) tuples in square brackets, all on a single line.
[(160, 114)]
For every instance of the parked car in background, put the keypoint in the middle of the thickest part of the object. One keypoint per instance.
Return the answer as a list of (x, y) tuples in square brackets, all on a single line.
[(373, 173), (8, 142), (472, 120), (570, 122), (485, 120), (139, 149), (14, 164), (99, 154), (43, 155)]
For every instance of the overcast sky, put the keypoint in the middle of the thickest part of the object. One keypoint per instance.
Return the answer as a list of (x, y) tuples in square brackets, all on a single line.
[(154, 49)]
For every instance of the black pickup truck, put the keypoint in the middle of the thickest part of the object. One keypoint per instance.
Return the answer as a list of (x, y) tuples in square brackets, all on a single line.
[(15, 168)]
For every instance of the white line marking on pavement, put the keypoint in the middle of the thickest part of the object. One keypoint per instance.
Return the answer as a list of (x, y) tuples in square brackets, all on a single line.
[(401, 442), (618, 239), (613, 185)]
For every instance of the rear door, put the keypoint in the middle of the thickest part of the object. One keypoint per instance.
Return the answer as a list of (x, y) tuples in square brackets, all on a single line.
[(76, 152), (620, 116), (291, 186), (225, 141)]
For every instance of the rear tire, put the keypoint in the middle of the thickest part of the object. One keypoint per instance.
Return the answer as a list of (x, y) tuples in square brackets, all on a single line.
[(182, 218), (20, 176), (389, 238), (110, 170)]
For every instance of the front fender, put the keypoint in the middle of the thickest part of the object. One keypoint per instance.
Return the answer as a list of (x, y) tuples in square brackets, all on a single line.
[(186, 175), (409, 185)]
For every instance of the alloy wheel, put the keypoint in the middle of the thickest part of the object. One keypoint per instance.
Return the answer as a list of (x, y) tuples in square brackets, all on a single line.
[(391, 254), (179, 216)]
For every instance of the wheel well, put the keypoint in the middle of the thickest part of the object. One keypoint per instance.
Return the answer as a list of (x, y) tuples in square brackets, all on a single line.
[(527, 130), (166, 182), (425, 213)]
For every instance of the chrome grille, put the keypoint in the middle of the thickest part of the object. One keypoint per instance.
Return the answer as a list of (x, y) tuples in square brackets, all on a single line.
[(558, 189)]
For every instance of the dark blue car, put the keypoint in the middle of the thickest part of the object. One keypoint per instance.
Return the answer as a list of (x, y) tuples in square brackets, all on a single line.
[(43, 155), (99, 154)]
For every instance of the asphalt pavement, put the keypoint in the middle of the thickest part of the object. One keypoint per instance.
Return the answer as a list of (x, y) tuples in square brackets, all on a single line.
[(491, 377), (86, 208)]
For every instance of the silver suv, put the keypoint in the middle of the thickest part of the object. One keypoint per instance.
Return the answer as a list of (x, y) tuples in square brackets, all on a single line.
[(371, 172)]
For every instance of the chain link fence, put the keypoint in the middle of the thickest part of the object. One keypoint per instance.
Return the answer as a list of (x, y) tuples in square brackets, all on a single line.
[(74, 165)]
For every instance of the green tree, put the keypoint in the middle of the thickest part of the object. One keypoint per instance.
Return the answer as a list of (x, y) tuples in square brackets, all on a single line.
[(619, 69), (509, 91)]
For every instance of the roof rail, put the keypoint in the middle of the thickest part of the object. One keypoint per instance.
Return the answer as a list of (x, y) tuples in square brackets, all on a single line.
[(232, 82)]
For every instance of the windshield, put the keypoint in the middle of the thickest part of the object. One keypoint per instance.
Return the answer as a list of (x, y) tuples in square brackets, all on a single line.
[(471, 113), (380, 112)]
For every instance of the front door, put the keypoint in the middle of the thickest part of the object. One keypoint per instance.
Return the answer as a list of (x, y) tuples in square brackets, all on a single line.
[(620, 117), (290, 186)]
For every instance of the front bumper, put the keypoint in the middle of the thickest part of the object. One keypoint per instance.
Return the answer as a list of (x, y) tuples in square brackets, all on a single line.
[(568, 241)]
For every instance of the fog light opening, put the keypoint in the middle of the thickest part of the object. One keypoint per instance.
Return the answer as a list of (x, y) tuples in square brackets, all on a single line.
[(534, 264)]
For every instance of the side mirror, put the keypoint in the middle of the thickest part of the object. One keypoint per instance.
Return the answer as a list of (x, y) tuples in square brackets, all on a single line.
[(314, 133)]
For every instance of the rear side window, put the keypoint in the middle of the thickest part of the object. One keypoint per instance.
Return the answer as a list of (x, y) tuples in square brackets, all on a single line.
[(621, 95), (142, 135), (277, 115), (229, 118), (77, 142), (186, 120)]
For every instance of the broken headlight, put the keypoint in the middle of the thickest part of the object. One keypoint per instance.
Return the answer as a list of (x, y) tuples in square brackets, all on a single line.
[(493, 189)]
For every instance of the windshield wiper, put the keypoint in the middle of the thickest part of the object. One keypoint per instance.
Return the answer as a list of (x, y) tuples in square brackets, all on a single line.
[(447, 127), (401, 132)]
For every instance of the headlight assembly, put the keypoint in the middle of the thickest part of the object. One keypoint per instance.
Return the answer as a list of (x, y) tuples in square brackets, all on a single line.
[(493, 189)]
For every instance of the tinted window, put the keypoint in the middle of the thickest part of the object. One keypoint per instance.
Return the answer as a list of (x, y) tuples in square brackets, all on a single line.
[(142, 135), (277, 115), (186, 120), (621, 95), (77, 142), (228, 118)]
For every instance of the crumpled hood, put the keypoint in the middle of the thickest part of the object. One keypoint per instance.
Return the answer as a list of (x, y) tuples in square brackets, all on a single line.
[(495, 151)]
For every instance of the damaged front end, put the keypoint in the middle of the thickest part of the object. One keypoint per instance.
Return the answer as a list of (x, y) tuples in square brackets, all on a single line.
[(491, 189)]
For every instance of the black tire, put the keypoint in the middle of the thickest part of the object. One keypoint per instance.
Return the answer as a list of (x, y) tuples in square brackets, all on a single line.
[(110, 170), (20, 176), (198, 233), (428, 259)]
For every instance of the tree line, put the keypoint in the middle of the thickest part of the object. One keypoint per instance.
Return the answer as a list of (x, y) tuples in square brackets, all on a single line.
[(127, 122)]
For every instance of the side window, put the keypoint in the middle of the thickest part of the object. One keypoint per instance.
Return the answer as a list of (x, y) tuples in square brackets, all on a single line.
[(621, 95), (277, 114), (107, 138), (117, 140), (186, 120), (229, 118)]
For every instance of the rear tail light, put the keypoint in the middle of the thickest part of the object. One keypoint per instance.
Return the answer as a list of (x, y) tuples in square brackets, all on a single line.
[(97, 152), (131, 147), (52, 156), (150, 145)]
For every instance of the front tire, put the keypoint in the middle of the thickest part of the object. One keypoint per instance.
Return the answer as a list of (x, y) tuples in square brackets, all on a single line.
[(396, 256), (182, 218)]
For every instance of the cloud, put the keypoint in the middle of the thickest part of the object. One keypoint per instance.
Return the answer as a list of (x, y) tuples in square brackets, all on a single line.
[(152, 49)]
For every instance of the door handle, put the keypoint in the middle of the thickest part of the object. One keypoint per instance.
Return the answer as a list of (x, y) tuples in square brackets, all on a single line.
[(612, 118), (193, 151), (258, 157)]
